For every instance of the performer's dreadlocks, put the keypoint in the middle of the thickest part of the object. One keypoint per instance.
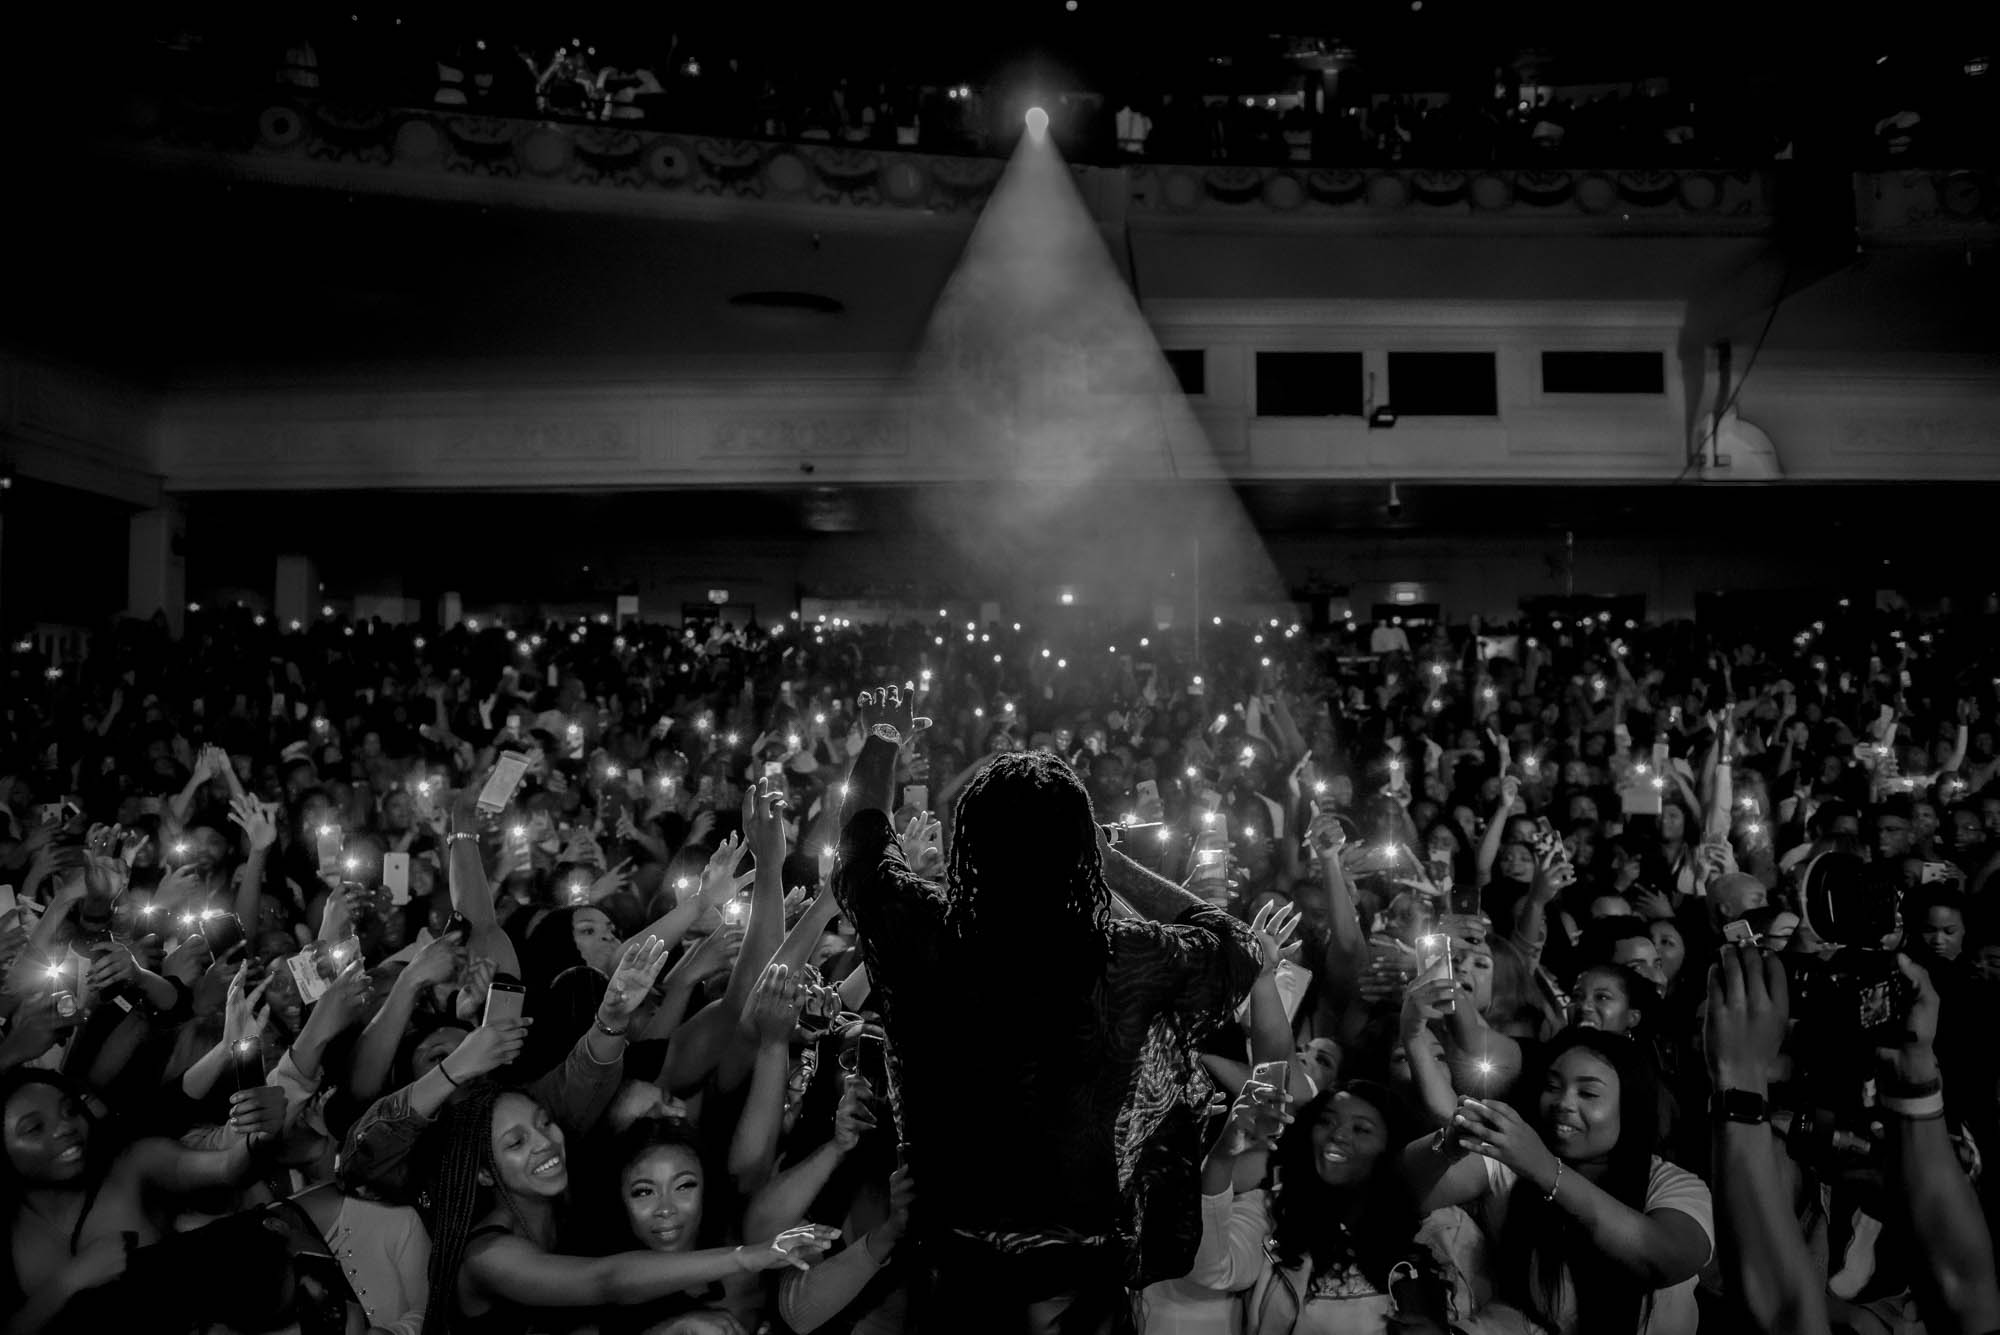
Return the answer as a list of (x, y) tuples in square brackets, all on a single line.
[(1025, 866)]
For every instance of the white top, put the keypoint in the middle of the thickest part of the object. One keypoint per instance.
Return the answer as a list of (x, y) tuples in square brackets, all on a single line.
[(1669, 1188), (1233, 1256)]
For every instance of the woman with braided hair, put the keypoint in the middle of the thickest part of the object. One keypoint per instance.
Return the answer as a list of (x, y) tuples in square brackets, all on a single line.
[(1055, 1159), (498, 1213)]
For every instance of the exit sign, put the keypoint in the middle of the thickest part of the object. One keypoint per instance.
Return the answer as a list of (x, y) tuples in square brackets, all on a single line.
[(718, 596)]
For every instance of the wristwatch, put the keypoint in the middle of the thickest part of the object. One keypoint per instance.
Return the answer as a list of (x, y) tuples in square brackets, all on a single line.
[(1739, 1105)]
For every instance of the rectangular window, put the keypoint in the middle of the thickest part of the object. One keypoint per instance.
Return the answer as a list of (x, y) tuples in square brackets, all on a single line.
[(1190, 367), (1309, 384), (1443, 384), (1604, 373)]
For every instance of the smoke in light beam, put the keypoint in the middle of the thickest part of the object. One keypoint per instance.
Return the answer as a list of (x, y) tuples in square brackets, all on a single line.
[(1038, 366)]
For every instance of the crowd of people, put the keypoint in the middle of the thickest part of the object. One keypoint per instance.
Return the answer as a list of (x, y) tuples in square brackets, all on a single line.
[(673, 82), (1573, 976)]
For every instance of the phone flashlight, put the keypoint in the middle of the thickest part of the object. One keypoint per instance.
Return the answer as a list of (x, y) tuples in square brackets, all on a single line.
[(352, 864), (681, 884), (792, 741), (731, 739), (733, 910), (180, 849), (1319, 789), (1193, 773), (1165, 834), (819, 719)]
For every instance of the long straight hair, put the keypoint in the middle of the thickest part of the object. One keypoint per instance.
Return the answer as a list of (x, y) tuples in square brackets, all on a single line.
[(1542, 1247)]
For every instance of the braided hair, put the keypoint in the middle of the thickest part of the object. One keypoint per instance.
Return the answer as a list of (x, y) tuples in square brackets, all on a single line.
[(465, 1137), (1025, 867)]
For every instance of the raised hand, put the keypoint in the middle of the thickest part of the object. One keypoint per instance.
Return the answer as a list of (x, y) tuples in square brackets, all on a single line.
[(1553, 875), (243, 1015), (1431, 999), (1256, 1120), (719, 883), (853, 1118), (254, 821), (631, 981), (797, 1247), (487, 1049), (257, 1114), (773, 1009), (611, 882), (1915, 1060), (438, 962), (188, 960), (1495, 1130), (1747, 1013), (1275, 926), (345, 1000), (764, 821), (888, 713)]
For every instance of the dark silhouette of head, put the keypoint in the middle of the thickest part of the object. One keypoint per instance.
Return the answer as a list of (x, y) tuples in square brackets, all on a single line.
[(1025, 862)]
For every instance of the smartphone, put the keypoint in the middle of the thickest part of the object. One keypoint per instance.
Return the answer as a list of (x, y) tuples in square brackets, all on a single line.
[(517, 841), (871, 1063), (635, 779), (501, 785), (66, 988), (396, 877), (1934, 872), (1434, 961), (1739, 933), (1149, 795), (9, 903), (506, 998), (917, 795), (330, 843), (247, 1062), (774, 769), (1547, 841), (514, 724), (735, 911), (1271, 1073), (222, 931)]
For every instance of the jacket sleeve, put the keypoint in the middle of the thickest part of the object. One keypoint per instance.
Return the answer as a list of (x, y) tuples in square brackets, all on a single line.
[(375, 1160), (578, 1092)]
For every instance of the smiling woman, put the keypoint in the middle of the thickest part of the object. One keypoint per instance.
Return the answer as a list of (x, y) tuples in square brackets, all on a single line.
[(501, 1195), (1591, 1231)]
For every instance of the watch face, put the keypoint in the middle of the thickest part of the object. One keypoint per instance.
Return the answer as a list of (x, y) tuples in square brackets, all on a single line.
[(1737, 1105)]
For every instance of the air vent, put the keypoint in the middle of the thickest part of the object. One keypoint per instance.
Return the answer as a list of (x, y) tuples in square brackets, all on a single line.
[(1604, 373), (1443, 384), (1309, 384), (806, 303)]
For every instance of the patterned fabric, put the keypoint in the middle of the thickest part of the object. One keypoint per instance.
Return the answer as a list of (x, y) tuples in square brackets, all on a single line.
[(1057, 1136)]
